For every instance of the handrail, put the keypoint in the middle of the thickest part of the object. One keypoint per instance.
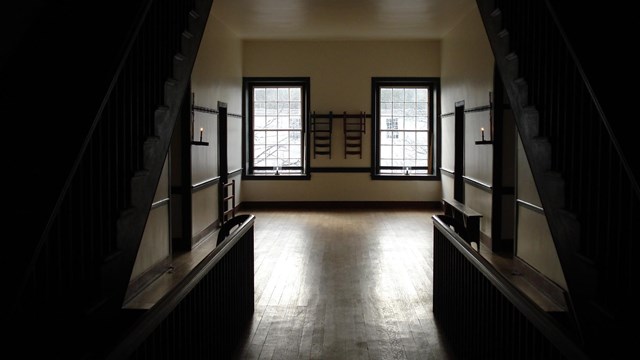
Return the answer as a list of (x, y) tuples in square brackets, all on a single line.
[(151, 319), (83, 148), (542, 321)]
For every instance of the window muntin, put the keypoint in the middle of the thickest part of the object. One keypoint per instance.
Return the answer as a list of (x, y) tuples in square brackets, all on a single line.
[(404, 129), (277, 129), (275, 141)]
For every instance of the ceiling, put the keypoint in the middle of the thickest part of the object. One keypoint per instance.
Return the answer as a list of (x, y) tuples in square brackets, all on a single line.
[(341, 19)]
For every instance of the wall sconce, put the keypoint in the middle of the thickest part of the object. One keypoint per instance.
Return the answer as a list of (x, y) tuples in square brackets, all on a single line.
[(490, 141)]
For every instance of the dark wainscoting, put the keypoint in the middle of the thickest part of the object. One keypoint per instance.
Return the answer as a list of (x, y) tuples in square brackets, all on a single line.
[(482, 314), (206, 314)]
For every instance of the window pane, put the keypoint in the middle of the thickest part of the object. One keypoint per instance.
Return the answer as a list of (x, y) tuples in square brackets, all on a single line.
[(398, 109), (259, 137), (295, 123), (272, 137), (398, 153), (272, 94), (410, 123), (409, 109), (259, 95), (295, 94), (258, 152), (422, 95), (398, 138), (295, 109), (259, 108), (294, 137), (388, 123), (271, 122), (421, 109), (386, 137), (410, 153), (385, 95), (422, 123), (283, 94), (283, 122), (398, 95), (385, 109), (410, 95), (283, 108), (422, 138), (259, 122), (272, 108)]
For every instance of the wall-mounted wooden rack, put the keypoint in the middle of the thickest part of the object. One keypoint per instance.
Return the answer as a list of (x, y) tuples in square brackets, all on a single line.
[(354, 126), (321, 128)]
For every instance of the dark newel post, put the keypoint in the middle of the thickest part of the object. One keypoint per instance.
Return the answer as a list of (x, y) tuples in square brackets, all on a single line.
[(458, 180), (223, 167), (185, 169)]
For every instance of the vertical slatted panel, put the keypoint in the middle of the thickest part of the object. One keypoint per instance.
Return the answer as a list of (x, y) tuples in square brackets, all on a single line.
[(478, 320), (598, 189), (67, 270), (209, 321)]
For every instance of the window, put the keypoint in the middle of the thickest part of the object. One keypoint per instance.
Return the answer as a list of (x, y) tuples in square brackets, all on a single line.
[(403, 111), (276, 144)]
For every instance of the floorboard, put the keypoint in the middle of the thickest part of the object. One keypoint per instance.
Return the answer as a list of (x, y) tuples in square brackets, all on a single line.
[(343, 284)]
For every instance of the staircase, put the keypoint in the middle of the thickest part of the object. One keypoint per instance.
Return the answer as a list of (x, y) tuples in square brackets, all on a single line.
[(590, 195), (79, 269)]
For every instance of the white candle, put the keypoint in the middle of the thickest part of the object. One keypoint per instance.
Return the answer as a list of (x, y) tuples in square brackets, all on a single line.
[(482, 131), (201, 131)]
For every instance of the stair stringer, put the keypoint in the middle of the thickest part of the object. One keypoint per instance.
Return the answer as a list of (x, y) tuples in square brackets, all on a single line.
[(580, 274), (116, 272)]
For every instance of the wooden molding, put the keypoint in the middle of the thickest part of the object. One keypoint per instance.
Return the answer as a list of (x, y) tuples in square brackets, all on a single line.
[(195, 240), (545, 285), (147, 277)]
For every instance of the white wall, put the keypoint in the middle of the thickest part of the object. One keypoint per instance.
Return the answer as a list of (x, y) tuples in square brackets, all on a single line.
[(534, 243), (155, 245), (340, 73), (216, 77), (467, 75)]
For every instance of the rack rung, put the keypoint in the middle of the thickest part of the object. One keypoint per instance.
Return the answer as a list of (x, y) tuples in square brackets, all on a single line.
[(227, 184), (228, 211), (229, 198), (323, 152), (353, 152)]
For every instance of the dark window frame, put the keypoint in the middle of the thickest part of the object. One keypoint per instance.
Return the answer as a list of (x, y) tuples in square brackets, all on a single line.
[(248, 83), (433, 84)]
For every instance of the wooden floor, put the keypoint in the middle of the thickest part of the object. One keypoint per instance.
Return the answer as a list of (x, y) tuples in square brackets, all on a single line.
[(343, 284)]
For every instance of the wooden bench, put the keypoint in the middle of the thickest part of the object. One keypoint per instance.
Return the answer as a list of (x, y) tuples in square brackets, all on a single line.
[(469, 217)]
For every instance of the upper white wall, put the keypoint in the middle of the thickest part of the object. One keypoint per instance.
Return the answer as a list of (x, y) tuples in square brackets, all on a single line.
[(217, 73), (216, 77), (340, 73), (467, 75), (467, 64)]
